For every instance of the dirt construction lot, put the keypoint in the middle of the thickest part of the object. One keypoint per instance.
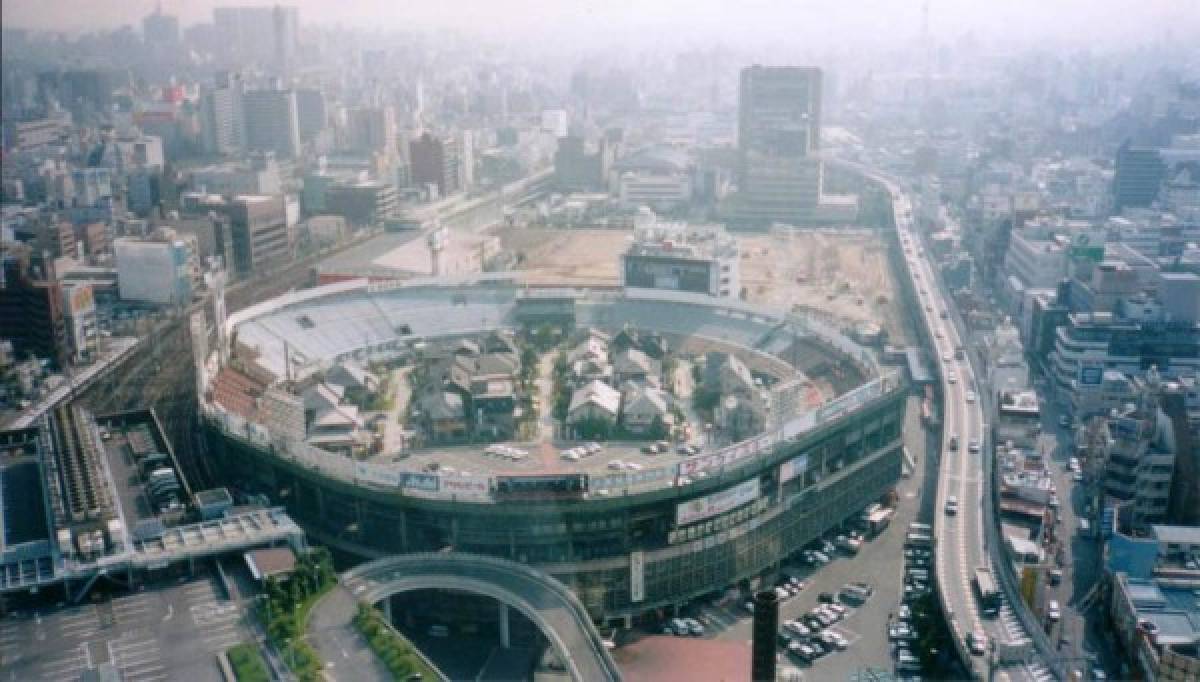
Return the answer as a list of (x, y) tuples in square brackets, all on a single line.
[(844, 273), (568, 256)]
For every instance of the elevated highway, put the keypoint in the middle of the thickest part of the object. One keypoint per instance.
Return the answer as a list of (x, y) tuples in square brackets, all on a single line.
[(545, 601), (965, 538)]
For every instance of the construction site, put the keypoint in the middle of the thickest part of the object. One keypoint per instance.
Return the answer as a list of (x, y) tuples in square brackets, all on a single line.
[(844, 273)]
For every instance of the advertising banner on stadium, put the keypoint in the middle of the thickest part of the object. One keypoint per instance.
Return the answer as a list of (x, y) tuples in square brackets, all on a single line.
[(717, 503), (729, 456), (792, 468), (376, 475), (426, 483), (466, 486)]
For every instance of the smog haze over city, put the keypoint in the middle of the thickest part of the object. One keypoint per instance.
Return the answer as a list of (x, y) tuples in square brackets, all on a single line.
[(675, 340)]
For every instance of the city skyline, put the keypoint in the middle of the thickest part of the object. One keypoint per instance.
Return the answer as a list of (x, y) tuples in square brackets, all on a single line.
[(821, 24)]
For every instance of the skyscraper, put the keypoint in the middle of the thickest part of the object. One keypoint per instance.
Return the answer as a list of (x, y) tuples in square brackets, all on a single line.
[(372, 129), (223, 119), (1138, 176), (779, 135), (311, 112), (268, 35), (272, 122), (436, 161)]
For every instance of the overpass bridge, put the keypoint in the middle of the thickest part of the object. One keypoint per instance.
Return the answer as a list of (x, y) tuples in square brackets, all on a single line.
[(544, 600)]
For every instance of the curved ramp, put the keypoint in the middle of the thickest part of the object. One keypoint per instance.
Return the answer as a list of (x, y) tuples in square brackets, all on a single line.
[(537, 595)]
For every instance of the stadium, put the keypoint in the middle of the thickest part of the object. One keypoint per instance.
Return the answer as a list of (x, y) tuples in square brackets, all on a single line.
[(631, 528)]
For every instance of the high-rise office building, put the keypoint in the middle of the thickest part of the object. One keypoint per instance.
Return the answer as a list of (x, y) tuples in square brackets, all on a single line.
[(272, 122), (1138, 177), (779, 135), (435, 161), (371, 130), (311, 112), (286, 33), (223, 120), (268, 35)]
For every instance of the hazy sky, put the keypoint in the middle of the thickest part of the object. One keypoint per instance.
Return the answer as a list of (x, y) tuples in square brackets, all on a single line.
[(732, 21)]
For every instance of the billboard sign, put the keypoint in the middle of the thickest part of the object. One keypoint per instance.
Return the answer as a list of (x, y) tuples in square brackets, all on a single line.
[(792, 468), (1085, 247), (466, 486), (717, 503), (419, 482), (376, 475)]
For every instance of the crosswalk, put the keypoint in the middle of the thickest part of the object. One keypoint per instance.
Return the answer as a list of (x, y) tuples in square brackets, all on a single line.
[(1012, 626)]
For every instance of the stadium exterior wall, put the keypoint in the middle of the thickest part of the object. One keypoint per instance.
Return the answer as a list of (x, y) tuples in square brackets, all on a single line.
[(806, 487)]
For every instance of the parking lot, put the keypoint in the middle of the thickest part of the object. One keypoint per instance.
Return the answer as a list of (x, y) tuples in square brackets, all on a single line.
[(879, 562), (167, 631)]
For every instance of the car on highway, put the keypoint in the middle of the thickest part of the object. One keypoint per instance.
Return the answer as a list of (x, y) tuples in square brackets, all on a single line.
[(973, 446), (977, 642), (953, 443), (951, 505), (951, 377), (971, 396)]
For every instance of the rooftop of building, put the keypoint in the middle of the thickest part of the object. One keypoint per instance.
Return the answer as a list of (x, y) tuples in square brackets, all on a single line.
[(1174, 610), (682, 241), (1177, 535)]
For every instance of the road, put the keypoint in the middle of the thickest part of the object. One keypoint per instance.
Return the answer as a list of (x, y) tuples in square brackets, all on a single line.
[(545, 601), (879, 562), (960, 536)]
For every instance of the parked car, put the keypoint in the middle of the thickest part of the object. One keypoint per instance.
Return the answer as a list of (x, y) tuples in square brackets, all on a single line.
[(826, 598), (695, 627), (798, 628)]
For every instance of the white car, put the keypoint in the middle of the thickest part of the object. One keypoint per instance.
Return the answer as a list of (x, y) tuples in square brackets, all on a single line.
[(616, 465), (971, 396), (1052, 611), (952, 377), (951, 505)]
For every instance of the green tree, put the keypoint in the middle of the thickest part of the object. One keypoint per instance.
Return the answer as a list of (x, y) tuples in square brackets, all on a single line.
[(658, 429)]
